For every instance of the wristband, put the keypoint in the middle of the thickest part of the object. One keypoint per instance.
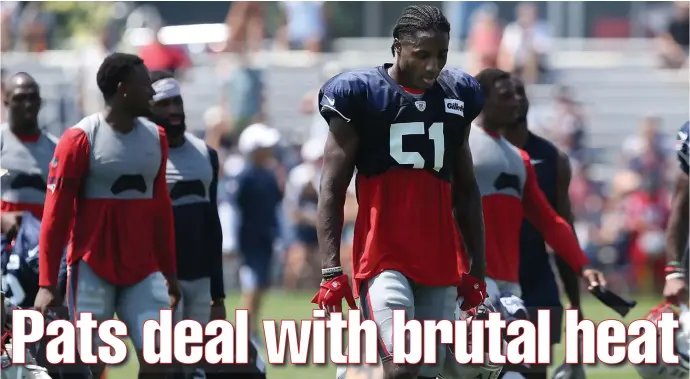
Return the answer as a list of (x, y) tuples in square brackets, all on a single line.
[(675, 275), (331, 272)]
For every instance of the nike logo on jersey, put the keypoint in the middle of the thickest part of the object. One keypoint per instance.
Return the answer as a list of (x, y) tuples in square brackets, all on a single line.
[(330, 101), (536, 161), (455, 106)]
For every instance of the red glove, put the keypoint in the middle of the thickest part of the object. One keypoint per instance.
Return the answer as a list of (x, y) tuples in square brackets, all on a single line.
[(472, 291), (331, 294)]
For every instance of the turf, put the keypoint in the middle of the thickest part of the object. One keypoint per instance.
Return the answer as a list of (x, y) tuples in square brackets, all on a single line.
[(297, 306)]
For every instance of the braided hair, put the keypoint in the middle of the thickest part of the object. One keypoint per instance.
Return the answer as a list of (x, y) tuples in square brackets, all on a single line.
[(419, 17)]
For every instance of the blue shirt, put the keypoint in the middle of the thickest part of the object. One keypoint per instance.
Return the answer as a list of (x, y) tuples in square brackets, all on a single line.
[(257, 196)]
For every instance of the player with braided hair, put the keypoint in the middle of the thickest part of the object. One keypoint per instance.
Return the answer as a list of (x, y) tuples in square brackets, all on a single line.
[(404, 126)]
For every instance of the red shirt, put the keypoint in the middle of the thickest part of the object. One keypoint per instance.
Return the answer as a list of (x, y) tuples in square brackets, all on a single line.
[(123, 241), (157, 56), (503, 217), (405, 223)]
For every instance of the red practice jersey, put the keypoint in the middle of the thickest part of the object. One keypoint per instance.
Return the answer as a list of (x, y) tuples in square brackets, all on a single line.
[(510, 191), (405, 221), (107, 191)]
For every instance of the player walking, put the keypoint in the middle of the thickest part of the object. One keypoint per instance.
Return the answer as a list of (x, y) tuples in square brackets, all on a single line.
[(537, 279), (404, 126), (25, 150), (510, 191), (192, 178), (676, 288), (107, 181)]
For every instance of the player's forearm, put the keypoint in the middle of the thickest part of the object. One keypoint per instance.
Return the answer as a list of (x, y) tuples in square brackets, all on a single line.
[(677, 231), (571, 283), (561, 237), (469, 218), (329, 225)]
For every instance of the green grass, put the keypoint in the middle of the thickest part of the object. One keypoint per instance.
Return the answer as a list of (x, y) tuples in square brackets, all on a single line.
[(297, 306)]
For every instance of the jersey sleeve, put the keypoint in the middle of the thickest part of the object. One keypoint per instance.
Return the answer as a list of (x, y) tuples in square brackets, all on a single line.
[(67, 169), (341, 97), (165, 227), (682, 142)]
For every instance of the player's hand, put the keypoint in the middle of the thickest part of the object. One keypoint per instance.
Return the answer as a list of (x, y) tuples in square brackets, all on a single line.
[(218, 310), (47, 298), (675, 290), (173, 291), (594, 278), (472, 291), (9, 223), (332, 292)]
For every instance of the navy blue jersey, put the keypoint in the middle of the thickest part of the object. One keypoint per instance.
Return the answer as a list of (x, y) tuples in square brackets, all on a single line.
[(20, 264), (408, 146), (535, 267), (682, 146), (397, 128)]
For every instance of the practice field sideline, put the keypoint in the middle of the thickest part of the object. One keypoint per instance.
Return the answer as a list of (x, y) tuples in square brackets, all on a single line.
[(297, 306)]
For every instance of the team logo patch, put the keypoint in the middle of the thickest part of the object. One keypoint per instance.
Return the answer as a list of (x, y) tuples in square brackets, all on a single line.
[(455, 106), (54, 162), (421, 105)]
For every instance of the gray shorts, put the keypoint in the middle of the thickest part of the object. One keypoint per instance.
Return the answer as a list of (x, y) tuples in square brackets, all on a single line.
[(391, 290), (134, 305), (196, 301)]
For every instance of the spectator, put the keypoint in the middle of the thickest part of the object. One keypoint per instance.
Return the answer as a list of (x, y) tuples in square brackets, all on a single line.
[(242, 97), (310, 103), (257, 194), (484, 39), (525, 45), (304, 25), (301, 198), (568, 126), (35, 28), (160, 57), (674, 41), (646, 151), (8, 12), (245, 20)]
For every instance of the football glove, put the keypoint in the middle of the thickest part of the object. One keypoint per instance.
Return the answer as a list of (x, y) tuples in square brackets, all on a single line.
[(472, 291), (332, 292)]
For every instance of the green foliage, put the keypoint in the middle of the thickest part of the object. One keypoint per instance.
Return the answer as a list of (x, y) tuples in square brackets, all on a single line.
[(78, 20)]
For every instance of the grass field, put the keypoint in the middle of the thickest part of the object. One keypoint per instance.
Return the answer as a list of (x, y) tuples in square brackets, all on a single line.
[(297, 306)]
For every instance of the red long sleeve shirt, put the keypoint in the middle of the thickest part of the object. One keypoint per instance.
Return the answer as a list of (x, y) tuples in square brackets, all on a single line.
[(107, 191), (510, 191)]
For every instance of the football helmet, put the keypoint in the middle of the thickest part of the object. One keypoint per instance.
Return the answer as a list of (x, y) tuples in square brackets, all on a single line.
[(452, 369), (682, 348), (8, 370)]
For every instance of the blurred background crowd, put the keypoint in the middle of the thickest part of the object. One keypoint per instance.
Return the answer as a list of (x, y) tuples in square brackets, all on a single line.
[(608, 83)]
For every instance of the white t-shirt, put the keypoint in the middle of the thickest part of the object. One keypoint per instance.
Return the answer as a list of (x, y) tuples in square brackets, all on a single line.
[(518, 40)]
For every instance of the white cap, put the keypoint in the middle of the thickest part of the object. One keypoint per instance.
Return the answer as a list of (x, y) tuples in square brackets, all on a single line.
[(257, 136), (312, 150)]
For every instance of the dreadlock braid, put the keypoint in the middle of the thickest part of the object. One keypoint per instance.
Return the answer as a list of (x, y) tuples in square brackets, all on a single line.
[(417, 18)]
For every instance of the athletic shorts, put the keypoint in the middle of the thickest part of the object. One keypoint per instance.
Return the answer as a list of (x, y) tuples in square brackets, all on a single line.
[(134, 305), (255, 272), (391, 290), (196, 301)]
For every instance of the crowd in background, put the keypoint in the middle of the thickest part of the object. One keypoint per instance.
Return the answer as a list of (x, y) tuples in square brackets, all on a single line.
[(620, 220)]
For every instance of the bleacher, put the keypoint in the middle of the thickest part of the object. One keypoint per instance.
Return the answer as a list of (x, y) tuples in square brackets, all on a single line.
[(616, 80)]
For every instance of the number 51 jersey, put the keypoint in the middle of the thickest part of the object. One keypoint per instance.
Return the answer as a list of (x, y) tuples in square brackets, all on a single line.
[(407, 149)]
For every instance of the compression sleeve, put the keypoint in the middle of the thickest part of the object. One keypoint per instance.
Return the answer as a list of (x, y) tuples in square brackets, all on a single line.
[(555, 230), (165, 227), (215, 232), (66, 172)]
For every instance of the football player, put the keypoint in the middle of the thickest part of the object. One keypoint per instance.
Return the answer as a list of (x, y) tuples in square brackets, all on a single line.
[(192, 178), (25, 150), (404, 126), (676, 287), (537, 279), (510, 190)]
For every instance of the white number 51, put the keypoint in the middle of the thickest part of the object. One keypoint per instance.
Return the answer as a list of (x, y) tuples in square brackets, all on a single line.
[(398, 131)]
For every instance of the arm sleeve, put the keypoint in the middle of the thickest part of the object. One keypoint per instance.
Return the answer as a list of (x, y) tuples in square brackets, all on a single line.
[(555, 230), (69, 165), (165, 227), (215, 232), (682, 147), (340, 97)]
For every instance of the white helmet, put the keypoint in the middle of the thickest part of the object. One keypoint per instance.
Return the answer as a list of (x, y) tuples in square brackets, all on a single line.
[(682, 348), (17, 371), (452, 369)]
